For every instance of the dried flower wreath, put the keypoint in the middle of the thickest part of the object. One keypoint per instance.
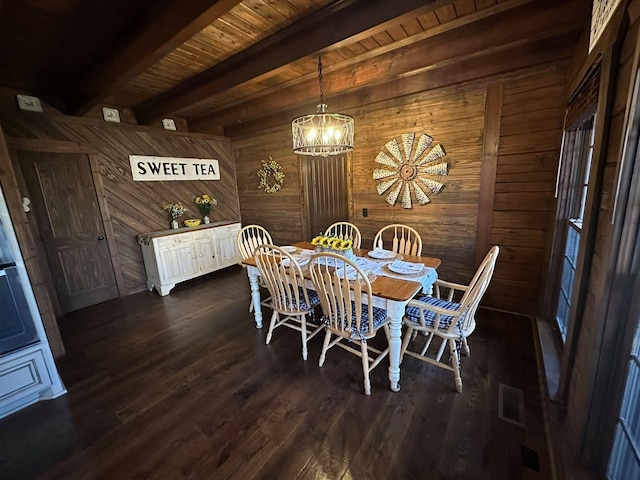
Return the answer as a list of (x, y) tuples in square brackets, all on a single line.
[(271, 176)]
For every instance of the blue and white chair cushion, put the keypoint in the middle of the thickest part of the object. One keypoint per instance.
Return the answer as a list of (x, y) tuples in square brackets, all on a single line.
[(379, 317), (314, 299), (413, 313)]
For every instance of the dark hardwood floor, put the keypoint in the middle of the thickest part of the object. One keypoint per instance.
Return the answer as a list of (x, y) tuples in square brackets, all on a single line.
[(183, 386)]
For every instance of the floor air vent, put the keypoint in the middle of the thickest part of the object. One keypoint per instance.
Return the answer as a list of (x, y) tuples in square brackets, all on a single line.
[(511, 404), (529, 458)]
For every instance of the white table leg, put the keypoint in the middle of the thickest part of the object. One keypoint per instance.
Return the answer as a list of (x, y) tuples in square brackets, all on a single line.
[(252, 272), (395, 310)]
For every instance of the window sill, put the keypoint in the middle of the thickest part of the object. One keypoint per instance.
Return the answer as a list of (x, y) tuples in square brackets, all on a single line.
[(551, 357)]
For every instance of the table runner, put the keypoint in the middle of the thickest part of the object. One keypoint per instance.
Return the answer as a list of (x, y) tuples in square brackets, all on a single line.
[(381, 267)]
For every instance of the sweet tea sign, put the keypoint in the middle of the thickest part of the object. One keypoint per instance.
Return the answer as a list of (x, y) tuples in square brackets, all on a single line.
[(148, 168)]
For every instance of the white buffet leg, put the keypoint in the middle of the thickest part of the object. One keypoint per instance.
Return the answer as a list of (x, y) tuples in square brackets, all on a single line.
[(252, 272), (164, 289), (395, 310)]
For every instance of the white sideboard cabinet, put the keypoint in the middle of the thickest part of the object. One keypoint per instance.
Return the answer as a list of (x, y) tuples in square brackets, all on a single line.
[(173, 256)]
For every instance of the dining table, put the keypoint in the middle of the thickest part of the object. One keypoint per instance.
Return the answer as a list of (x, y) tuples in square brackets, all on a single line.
[(391, 288)]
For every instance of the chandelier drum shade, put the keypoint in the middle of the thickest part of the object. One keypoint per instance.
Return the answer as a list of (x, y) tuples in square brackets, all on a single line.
[(322, 133)]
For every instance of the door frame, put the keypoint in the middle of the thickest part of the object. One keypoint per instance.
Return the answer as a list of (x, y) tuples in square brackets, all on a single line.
[(27, 243), (16, 145)]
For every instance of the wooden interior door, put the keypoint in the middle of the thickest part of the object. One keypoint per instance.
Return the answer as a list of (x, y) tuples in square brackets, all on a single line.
[(326, 191), (64, 201)]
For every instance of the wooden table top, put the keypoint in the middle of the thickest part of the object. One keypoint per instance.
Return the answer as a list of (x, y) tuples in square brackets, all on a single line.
[(389, 288)]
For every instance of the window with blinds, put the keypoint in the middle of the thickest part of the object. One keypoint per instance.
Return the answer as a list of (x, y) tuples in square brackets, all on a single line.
[(579, 158)]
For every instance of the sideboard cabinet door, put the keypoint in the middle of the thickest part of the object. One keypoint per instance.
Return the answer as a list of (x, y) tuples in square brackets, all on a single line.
[(205, 251), (227, 246), (177, 262)]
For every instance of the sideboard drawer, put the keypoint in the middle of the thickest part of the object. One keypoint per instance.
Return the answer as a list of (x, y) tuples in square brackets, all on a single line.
[(174, 239), (234, 228), (201, 234)]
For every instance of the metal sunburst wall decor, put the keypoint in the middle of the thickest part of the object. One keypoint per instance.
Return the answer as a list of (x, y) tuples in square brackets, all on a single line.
[(420, 169)]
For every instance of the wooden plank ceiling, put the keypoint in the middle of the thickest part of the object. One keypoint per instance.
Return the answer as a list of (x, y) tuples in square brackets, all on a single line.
[(232, 66)]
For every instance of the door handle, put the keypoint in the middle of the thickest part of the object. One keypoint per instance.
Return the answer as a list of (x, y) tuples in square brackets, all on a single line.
[(100, 237)]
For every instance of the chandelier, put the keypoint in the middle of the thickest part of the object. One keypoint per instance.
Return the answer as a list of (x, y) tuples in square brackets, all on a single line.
[(322, 133)]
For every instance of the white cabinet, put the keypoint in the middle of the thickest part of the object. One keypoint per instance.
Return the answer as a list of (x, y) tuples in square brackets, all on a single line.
[(173, 256), (24, 376)]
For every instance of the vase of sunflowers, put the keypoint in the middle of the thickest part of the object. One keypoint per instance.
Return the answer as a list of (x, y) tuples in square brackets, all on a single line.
[(341, 246), (175, 211), (205, 203)]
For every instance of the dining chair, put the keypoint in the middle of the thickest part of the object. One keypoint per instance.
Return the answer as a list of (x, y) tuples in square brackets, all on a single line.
[(345, 230), (348, 312), (448, 315), (399, 239), (291, 302), (249, 237)]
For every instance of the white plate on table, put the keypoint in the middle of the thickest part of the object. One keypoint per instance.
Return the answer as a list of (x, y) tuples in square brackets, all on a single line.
[(289, 248), (406, 268), (382, 254)]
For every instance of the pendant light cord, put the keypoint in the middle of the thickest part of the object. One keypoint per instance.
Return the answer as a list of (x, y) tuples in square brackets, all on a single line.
[(320, 80)]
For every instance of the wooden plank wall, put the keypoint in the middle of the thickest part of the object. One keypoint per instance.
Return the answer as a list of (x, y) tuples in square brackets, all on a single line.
[(133, 207), (282, 213), (528, 152), (454, 117), (529, 143)]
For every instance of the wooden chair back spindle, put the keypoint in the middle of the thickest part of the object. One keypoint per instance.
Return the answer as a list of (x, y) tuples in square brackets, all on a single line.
[(404, 239), (250, 237), (344, 231)]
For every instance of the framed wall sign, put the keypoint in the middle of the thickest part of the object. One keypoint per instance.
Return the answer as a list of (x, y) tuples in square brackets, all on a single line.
[(163, 169)]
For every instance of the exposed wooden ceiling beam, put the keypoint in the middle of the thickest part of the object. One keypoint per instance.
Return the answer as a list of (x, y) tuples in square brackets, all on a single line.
[(504, 61), (526, 22), (320, 30), (200, 115), (165, 31)]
